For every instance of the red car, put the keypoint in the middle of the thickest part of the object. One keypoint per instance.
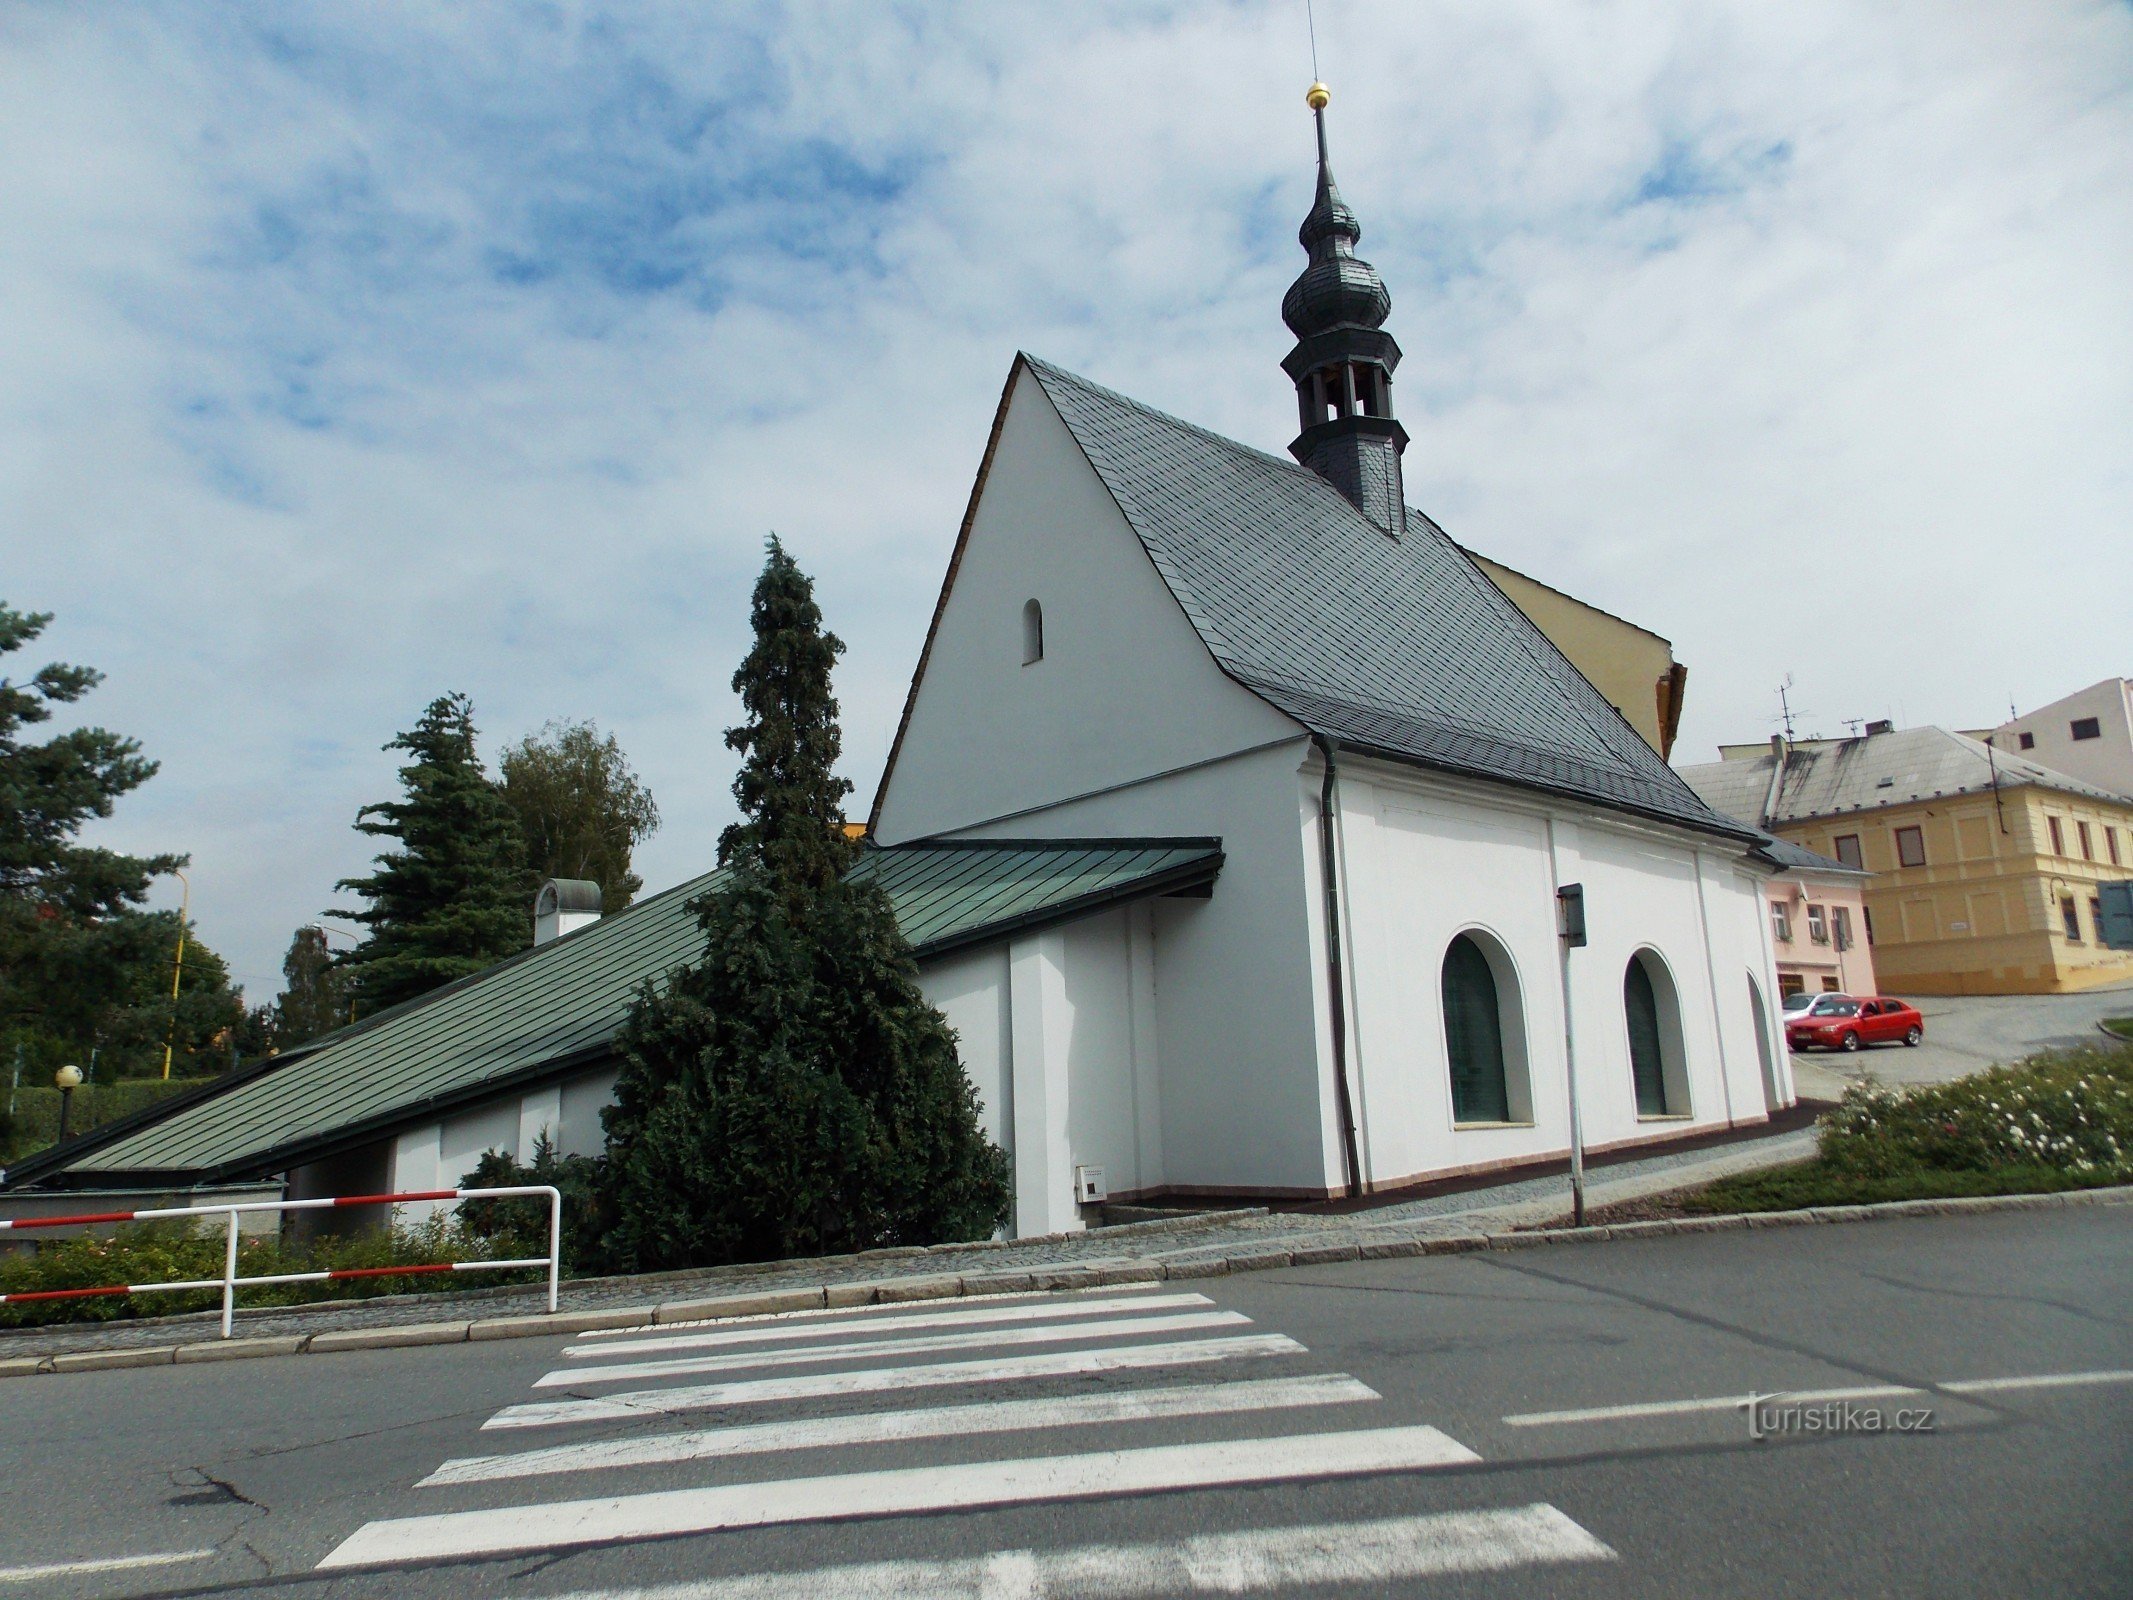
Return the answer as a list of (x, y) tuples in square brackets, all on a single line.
[(1854, 1024)]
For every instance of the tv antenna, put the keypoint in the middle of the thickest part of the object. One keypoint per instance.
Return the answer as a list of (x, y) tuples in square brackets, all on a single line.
[(1785, 706)]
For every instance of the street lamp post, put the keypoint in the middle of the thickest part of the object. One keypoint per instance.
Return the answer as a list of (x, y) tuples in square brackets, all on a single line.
[(67, 1079), (177, 969)]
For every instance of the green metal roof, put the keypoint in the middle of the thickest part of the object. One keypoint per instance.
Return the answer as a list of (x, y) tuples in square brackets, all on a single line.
[(552, 1010)]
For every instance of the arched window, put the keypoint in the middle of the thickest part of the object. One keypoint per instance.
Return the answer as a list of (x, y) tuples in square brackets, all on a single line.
[(1032, 632), (1652, 1010), (1473, 1035)]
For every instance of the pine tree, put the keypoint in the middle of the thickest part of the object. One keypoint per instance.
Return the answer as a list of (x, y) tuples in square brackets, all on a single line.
[(447, 903), (82, 965), (792, 1092)]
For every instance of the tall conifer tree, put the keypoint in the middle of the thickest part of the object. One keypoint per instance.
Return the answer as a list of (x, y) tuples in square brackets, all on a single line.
[(448, 902), (792, 1092)]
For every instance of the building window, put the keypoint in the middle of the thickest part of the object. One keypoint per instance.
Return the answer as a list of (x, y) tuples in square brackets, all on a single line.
[(2071, 917), (1781, 924), (1473, 1035), (2081, 832), (1032, 632), (1848, 851), (2096, 916), (1790, 984), (2085, 728), (2058, 838), (1818, 925), (1866, 915), (1910, 847), (2029, 741), (1840, 921), (1654, 1018), (2110, 843), (1831, 986)]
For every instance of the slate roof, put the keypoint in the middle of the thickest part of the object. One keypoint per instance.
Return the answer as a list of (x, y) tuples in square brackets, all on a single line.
[(1834, 777), (554, 1010), (1400, 648), (1798, 858)]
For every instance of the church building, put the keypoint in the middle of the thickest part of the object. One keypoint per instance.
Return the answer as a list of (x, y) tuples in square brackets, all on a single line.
[(1235, 818), (1150, 631)]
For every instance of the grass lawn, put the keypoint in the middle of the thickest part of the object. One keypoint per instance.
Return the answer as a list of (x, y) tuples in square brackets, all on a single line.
[(2122, 1026)]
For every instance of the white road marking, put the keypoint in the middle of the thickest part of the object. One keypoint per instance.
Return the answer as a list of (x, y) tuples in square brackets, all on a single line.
[(69, 1569), (1723, 1402), (690, 1339), (869, 1314), (875, 1380), (1098, 1475), (1884, 1391), (1377, 1553), (867, 1349), (935, 1422), (2041, 1380)]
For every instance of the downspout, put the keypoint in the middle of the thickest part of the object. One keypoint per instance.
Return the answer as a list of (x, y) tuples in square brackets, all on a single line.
[(1328, 865)]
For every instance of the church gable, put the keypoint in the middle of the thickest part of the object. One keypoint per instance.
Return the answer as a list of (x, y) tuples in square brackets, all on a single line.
[(1059, 661)]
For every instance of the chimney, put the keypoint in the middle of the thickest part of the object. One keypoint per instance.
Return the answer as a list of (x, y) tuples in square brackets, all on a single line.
[(564, 905), (1780, 747), (1882, 726)]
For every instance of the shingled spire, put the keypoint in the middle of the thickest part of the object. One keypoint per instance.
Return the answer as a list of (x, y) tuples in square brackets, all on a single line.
[(1343, 361)]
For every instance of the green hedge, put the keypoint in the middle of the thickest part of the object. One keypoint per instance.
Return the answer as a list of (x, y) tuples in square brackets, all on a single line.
[(35, 1123)]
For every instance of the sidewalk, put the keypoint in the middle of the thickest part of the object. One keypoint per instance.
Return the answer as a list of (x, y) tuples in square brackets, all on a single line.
[(1200, 1244)]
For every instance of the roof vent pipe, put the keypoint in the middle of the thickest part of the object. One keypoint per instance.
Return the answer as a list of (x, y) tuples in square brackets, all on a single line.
[(564, 905)]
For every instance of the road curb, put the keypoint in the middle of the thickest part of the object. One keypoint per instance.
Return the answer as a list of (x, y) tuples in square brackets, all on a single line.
[(1371, 1243)]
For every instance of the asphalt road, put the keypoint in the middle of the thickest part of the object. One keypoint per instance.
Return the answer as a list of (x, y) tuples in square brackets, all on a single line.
[(1559, 1421)]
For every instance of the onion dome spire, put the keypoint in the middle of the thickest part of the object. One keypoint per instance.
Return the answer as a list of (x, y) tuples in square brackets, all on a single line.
[(1343, 361)]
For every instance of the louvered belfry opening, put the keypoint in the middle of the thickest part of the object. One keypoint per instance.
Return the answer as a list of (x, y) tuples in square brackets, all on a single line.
[(1343, 362)]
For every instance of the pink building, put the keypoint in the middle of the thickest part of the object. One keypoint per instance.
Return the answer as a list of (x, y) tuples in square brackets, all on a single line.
[(1819, 926)]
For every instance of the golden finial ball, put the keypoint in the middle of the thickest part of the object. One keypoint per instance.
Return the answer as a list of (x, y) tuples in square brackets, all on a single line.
[(1317, 96)]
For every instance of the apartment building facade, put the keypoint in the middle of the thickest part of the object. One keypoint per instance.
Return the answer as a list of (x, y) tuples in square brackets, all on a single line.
[(1987, 868)]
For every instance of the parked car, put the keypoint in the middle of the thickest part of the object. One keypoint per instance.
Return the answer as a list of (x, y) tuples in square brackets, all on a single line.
[(1851, 1024), (1800, 1006)]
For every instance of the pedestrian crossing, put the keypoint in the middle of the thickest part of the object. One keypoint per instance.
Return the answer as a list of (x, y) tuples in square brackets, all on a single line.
[(970, 1405)]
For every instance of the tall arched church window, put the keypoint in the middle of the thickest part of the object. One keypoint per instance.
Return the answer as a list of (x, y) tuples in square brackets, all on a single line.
[(1647, 1062), (1473, 1033), (1032, 632)]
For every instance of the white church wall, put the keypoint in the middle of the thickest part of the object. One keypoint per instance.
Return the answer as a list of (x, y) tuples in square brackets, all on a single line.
[(1234, 980), (971, 990), (1424, 861), (1125, 688)]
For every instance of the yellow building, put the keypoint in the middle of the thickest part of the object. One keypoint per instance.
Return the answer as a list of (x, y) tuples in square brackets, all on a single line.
[(1986, 866), (1632, 666)]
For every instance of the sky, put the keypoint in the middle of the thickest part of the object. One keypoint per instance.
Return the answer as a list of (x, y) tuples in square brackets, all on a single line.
[(350, 354)]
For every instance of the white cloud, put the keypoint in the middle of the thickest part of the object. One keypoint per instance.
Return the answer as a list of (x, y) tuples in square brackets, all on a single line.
[(345, 362)]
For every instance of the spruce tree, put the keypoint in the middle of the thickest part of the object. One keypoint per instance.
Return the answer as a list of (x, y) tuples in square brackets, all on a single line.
[(448, 902), (791, 1092)]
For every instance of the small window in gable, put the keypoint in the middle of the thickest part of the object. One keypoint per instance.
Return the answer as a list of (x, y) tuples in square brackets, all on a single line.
[(2086, 728), (1032, 632)]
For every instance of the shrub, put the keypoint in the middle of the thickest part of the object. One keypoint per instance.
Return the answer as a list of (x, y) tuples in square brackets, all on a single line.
[(2065, 1111), (516, 1229)]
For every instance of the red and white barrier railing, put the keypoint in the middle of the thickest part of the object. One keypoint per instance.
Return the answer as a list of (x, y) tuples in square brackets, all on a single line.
[(229, 1281)]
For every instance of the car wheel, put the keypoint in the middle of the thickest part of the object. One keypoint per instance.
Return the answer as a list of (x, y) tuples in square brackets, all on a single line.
[(1849, 1043), (1915, 1036)]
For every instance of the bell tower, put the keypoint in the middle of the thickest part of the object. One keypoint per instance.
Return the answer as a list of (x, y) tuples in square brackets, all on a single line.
[(1343, 361)]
